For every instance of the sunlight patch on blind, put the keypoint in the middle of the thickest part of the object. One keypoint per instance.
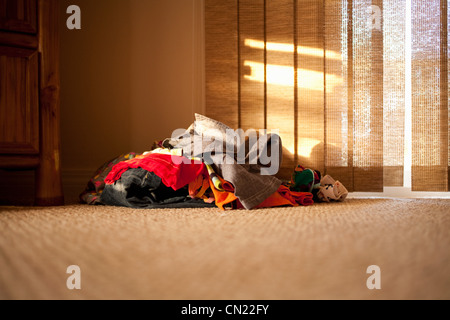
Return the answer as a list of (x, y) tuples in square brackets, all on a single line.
[(284, 76), (285, 47)]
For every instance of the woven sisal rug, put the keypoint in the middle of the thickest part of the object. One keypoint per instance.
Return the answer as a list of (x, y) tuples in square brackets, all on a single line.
[(317, 252)]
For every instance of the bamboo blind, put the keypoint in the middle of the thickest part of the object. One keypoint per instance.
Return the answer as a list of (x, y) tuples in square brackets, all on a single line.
[(430, 153), (332, 81)]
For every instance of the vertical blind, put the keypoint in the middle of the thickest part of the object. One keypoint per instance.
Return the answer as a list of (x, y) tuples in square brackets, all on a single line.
[(331, 76)]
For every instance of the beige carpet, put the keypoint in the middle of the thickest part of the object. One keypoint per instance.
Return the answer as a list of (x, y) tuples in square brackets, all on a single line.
[(318, 252)]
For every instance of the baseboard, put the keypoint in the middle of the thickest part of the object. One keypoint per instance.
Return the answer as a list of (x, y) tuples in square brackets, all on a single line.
[(18, 187), (74, 182)]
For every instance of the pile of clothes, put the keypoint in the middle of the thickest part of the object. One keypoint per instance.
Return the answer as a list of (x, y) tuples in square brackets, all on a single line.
[(170, 177)]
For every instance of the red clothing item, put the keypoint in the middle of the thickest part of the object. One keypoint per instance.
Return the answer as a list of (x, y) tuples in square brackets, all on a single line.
[(300, 198), (175, 172)]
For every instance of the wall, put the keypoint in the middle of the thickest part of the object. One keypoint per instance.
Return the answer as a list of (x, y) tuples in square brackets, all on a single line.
[(130, 76)]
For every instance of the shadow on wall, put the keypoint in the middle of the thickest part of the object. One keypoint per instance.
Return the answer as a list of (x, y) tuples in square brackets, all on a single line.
[(95, 83), (314, 159), (128, 78), (95, 89)]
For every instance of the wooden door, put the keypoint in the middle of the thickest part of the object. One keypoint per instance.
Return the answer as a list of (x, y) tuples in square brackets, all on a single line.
[(29, 93), (19, 101), (18, 16), (19, 76)]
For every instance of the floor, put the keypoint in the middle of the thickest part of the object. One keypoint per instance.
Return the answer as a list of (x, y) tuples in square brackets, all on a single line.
[(317, 252)]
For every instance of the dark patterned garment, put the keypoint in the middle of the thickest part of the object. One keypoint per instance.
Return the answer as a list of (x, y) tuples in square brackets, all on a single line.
[(94, 189)]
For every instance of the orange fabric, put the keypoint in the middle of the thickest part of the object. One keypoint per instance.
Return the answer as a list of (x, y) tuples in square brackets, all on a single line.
[(223, 198), (198, 187)]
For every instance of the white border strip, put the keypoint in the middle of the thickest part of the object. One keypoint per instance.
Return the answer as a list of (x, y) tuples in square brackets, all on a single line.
[(407, 175), (399, 193)]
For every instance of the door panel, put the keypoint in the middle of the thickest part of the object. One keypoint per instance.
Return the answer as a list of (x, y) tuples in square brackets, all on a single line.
[(19, 101), (18, 16)]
